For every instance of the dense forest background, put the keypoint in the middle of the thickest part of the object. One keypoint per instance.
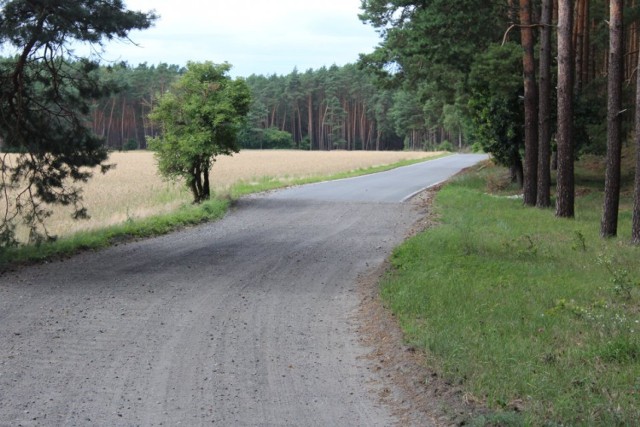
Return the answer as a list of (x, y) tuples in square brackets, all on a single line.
[(441, 77), (324, 109), (431, 83)]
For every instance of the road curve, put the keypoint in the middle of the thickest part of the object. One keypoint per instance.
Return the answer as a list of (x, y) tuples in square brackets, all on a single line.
[(392, 186), (245, 321)]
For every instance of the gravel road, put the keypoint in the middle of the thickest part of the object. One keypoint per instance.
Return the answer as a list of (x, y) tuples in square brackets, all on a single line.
[(245, 321)]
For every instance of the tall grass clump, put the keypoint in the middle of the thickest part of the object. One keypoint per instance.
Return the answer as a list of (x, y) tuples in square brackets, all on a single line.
[(536, 317)]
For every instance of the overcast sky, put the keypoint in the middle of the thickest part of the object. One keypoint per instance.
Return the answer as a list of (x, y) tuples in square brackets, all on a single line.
[(255, 36)]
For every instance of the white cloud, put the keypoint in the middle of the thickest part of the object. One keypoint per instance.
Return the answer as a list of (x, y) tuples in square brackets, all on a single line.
[(261, 37)]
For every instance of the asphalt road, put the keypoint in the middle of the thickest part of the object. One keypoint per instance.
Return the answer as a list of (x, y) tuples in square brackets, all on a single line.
[(393, 186), (245, 321)]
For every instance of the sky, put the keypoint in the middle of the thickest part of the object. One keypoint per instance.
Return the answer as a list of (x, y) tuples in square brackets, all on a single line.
[(255, 36)]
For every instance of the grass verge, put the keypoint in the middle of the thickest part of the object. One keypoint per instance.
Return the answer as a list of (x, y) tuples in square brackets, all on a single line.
[(131, 229), (161, 224), (536, 317)]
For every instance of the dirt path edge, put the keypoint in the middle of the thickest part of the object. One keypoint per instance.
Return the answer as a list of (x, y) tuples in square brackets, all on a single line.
[(415, 391)]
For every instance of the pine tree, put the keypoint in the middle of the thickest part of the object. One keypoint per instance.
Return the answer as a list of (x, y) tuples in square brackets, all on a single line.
[(565, 203), (609, 223), (45, 94)]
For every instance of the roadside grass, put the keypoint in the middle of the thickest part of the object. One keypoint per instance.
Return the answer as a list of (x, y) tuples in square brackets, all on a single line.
[(536, 317), (131, 229), (185, 215)]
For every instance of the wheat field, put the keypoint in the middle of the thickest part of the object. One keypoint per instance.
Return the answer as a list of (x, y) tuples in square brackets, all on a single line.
[(133, 189)]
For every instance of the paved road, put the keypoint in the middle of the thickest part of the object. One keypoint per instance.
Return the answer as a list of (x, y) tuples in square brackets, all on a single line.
[(246, 321), (393, 186)]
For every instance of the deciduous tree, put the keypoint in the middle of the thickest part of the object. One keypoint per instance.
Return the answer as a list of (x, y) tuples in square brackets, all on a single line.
[(200, 118)]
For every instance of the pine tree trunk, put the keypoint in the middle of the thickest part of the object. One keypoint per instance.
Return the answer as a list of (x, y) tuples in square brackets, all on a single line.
[(635, 227), (565, 203), (578, 43), (543, 199), (530, 106), (122, 123), (310, 124), (586, 45), (299, 126), (113, 106), (609, 224)]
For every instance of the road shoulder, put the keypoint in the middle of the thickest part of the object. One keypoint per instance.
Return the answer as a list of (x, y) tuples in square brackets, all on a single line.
[(415, 392)]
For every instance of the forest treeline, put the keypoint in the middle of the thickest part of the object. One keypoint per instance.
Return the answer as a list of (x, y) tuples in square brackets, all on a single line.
[(437, 78), (324, 109)]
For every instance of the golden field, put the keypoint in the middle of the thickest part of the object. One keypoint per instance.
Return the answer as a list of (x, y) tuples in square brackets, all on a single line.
[(135, 190)]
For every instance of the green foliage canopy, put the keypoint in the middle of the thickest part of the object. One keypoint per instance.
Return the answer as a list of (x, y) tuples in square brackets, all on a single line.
[(200, 118), (495, 104)]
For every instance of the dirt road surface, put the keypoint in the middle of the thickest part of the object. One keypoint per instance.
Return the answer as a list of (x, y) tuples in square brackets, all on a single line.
[(246, 321)]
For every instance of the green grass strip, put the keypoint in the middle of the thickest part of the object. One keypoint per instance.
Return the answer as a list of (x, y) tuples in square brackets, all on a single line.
[(132, 229), (522, 309)]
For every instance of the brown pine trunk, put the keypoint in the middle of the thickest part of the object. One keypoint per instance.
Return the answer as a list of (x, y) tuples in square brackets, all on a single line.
[(635, 227), (310, 124), (631, 47), (578, 40), (543, 199), (586, 44), (565, 197), (299, 126), (530, 106), (609, 224), (363, 129), (122, 123), (109, 126)]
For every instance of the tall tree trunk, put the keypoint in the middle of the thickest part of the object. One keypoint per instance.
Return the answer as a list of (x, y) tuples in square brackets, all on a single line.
[(609, 224), (310, 124), (109, 125), (565, 197), (363, 128), (530, 106), (586, 45), (578, 40), (206, 188), (299, 126), (543, 199), (635, 228), (122, 123)]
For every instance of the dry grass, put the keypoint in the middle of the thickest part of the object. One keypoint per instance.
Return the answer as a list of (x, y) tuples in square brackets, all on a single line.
[(135, 190)]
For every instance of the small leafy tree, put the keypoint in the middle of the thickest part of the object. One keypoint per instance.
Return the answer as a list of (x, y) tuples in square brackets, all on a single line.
[(200, 118)]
